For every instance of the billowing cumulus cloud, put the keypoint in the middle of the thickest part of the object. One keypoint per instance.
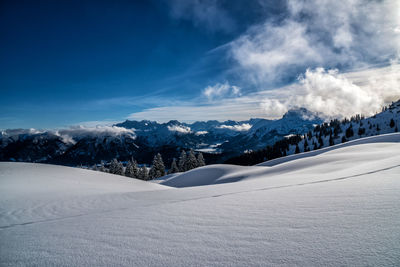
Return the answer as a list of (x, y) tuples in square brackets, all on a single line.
[(339, 95)]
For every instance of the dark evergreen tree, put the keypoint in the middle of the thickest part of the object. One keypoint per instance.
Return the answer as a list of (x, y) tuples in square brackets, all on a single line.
[(102, 167), (143, 173), (344, 140), (349, 131), (157, 169), (305, 145), (191, 161), (200, 160), (131, 169), (320, 141), (174, 168), (297, 150), (182, 161), (391, 123), (315, 147), (116, 167), (331, 141)]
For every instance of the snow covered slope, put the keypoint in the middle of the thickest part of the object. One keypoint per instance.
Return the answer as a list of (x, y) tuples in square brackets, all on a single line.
[(340, 207)]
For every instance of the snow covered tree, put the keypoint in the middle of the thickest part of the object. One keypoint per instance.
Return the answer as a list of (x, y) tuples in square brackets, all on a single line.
[(102, 168), (131, 169), (182, 161), (94, 167), (158, 168), (113, 166), (143, 173), (200, 160), (116, 167), (174, 168), (191, 161)]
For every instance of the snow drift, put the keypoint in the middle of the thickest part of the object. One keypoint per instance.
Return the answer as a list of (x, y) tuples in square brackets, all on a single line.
[(340, 207)]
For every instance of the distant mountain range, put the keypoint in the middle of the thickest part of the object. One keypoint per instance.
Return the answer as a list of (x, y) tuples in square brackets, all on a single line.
[(142, 139)]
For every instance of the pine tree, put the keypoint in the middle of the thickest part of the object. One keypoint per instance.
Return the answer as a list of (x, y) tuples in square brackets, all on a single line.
[(119, 169), (320, 141), (297, 150), (200, 160), (391, 123), (305, 145), (182, 161), (135, 168), (315, 147), (157, 169), (174, 168), (349, 131), (143, 173), (94, 167), (131, 169), (102, 168), (331, 142), (191, 161), (114, 166), (344, 140)]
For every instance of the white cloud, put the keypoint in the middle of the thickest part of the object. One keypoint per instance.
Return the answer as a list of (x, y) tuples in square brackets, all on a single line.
[(180, 129), (319, 90), (95, 131), (340, 95), (71, 134), (201, 133), (240, 128), (319, 33), (221, 90), (203, 13), (76, 132)]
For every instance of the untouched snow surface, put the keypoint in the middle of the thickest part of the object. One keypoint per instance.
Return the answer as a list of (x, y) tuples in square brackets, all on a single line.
[(339, 207)]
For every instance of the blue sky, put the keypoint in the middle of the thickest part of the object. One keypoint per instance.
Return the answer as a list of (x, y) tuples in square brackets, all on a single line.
[(97, 62)]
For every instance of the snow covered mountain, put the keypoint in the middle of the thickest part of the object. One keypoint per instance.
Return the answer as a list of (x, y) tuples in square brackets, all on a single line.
[(340, 207), (142, 139), (326, 135)]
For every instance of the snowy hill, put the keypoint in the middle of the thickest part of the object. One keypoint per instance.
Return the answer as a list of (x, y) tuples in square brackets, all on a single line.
[(338, 207)]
